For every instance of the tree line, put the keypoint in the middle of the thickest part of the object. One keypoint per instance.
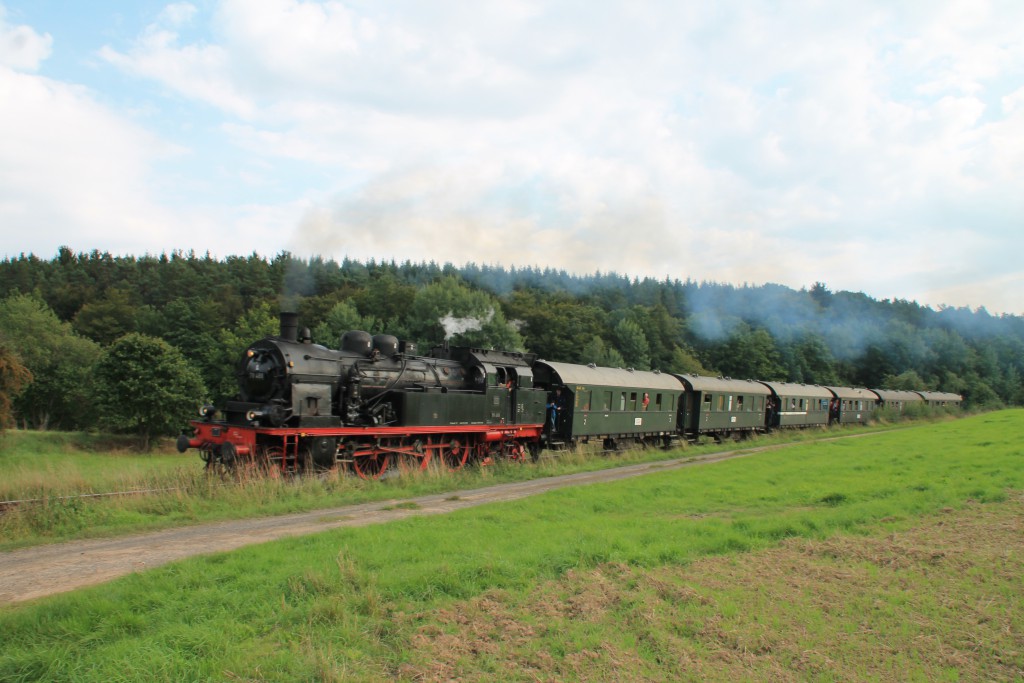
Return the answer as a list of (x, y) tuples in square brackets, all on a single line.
[(91, 340)]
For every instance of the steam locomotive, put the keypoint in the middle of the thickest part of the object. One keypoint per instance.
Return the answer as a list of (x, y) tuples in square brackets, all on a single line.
[(373, 405)]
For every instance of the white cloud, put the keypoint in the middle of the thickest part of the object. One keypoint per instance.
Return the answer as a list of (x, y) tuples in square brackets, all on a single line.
[(75, 171), (196, 71), (20, 46), (178, 13)]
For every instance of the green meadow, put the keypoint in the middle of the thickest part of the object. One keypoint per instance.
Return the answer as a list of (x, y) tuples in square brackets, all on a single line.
[(712, 572)]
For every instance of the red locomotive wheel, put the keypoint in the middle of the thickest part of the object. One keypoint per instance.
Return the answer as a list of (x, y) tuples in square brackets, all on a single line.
[(372, 466), (455, 455)]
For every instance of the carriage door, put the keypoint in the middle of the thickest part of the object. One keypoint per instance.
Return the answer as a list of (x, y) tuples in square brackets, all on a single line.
[(512, 386), (498, 410)]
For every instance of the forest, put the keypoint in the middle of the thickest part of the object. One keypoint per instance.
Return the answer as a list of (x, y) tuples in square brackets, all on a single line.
[(136, 344)]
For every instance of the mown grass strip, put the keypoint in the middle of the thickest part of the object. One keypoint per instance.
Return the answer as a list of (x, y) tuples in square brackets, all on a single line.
[(351, 604)]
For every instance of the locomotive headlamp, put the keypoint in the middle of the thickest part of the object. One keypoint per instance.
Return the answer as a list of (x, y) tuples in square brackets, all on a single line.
[(250, 353)]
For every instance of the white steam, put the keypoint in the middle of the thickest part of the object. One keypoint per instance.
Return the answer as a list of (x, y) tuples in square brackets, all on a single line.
[(453, 326)]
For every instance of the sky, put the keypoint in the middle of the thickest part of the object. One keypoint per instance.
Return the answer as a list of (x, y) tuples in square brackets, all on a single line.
[(872, 146)]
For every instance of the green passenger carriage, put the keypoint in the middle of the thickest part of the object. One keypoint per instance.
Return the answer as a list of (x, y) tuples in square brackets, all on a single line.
[(798, 405), (941, 399), (615, 405), (897, 401), (852, 405), (721, 406)]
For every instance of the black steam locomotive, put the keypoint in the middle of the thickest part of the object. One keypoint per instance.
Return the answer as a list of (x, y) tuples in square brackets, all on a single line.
[(371, 404)]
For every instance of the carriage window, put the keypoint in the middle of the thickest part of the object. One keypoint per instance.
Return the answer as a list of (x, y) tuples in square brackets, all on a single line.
[(622, 401), (607, 400), (657, 401), (583, 400), (632, 401), (707, 401), (739, 403), (721, 402)]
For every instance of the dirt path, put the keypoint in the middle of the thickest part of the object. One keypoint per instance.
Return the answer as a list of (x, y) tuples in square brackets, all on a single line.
[(36, 572)]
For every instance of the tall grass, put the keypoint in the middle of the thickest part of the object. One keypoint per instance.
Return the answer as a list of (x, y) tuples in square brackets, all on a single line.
[(36, 464), (349, 604)]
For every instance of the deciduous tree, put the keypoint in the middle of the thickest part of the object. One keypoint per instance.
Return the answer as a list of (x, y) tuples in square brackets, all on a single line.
[(257, 323), (144, 385), (342, 318), (109, 318), (631, 342), (604, 355), (60, 361), (449, 309)]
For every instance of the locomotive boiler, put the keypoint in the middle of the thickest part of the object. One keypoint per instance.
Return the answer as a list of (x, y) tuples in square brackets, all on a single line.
[(289, 381)]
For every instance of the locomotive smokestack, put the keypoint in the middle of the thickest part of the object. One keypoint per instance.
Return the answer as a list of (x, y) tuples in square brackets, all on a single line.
[(290, 326)]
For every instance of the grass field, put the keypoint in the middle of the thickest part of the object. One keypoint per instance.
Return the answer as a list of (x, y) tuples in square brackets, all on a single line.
[(53, 466), (896, 556)]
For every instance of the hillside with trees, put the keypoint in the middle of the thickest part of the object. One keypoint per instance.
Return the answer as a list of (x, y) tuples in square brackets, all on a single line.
[(75, 330)]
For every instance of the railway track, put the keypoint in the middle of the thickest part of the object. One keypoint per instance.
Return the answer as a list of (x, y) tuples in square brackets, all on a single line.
[(9, 504)]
